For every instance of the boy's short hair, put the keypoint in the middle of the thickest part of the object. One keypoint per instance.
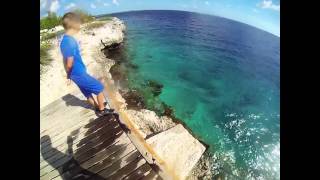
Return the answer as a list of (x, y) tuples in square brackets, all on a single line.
[(68, 18)]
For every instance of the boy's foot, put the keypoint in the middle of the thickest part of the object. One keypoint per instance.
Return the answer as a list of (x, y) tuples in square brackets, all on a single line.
[(103, 112), (109, 110), (105, 104)]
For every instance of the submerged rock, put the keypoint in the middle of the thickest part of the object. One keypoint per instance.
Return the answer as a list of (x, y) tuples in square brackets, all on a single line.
[(133, 99), (168, 110), (155, 87)]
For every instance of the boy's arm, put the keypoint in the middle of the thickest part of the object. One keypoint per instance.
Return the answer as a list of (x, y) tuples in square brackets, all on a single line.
[(69, 64)]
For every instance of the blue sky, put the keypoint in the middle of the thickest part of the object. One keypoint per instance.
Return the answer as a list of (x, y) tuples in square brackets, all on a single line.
[(263, 14)]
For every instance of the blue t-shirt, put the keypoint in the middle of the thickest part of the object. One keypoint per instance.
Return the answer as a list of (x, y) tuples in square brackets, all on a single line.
[(70, 48)]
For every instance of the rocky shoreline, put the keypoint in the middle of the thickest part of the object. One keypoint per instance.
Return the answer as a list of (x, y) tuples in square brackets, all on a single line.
[(99, 48), (149, 122)]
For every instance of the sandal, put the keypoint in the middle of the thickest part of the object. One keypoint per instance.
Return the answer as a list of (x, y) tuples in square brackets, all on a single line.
[(104, 112)]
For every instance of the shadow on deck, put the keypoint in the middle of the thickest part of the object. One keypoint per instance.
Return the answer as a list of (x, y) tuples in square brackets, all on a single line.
[(100, 149)]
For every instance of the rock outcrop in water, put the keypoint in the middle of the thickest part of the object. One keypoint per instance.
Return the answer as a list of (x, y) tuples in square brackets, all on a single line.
[(133, 99)]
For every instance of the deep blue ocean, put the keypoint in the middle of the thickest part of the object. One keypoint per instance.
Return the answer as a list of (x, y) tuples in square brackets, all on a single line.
[(222, 79)]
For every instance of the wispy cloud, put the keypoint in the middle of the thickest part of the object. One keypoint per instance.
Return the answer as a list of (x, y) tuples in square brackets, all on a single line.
[(49, 5), (54, 6), (70, 6), (268, 4), (106, 4), (93, 6), (115, 2), (207, 2), (43, 3)]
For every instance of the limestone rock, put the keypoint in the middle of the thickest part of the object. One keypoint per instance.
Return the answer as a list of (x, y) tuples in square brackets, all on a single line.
[(178, 148), (148, 122)]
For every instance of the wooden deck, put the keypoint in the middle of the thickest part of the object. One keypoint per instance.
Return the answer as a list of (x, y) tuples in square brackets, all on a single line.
[(75, 144)]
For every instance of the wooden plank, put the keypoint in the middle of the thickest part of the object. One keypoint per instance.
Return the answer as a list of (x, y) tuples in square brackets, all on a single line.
[(100, 156), (65, 120), (60, 167), (97, 128), (151, 176), (96, 147), (62, 108), (53, 106), (113, 158), (106, 173), (60, 158), (142, 171), (67, 97), (67, 126), (68, 170), (81, 127), (47, 151), (100, 166), (131, 168), (67, 114), (101, 149), (82, 130)]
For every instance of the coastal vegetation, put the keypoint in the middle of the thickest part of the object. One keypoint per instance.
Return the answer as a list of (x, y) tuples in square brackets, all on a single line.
[(51, 35), (53, 20), (50, 21), (95, 24), (44, 55), (105, 18)]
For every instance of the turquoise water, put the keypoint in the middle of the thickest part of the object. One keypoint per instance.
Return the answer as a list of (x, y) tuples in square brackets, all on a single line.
[(222, 79)]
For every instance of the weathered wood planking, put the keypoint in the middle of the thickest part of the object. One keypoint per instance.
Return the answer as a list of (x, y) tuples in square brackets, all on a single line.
[(75, 144)]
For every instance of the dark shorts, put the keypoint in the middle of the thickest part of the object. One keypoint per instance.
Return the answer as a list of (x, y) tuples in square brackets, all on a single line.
[(87, 84)]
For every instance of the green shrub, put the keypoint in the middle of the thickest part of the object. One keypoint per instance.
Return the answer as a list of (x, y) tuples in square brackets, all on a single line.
[(47, 36), (53, 20), (50, 21), (105, 18), (96, 24), (44, 56)]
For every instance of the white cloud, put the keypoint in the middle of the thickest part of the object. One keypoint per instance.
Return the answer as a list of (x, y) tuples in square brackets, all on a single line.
[(207, 2), (70, 6), (106, 4), (255, 10), (93, 6), (54, 6), (43, 3), (268, 4), (115, 2)]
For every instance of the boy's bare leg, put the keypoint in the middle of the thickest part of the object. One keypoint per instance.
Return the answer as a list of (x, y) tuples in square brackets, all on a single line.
[(100, 99), (92, 102)]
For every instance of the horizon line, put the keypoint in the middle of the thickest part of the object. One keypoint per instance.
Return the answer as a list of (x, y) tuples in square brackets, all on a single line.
[(277, 35)]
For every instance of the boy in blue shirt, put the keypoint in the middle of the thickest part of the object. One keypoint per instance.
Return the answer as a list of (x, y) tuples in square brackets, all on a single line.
[(75, 68)]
